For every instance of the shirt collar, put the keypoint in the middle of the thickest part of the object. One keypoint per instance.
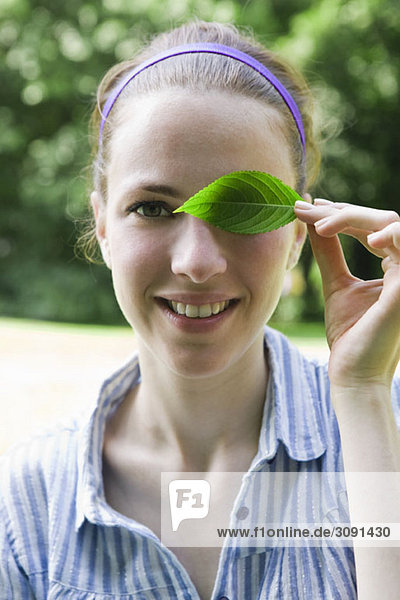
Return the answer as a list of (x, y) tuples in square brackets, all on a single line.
[(90, 493), (292, 415)]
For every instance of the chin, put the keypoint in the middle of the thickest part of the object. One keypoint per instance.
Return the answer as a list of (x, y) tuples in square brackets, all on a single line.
[(190, 368)]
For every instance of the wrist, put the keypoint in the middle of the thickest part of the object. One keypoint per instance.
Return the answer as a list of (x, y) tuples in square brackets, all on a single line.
[(353, 382), (365, 387), (357, 397), (369, 436), (359, 405)]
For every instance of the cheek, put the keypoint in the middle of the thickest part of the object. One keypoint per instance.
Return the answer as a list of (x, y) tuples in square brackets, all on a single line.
[(265, 255), (136, 260), (264, 270)]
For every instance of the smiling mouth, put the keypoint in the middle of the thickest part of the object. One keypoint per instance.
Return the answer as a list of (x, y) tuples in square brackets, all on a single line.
[(202, 311)]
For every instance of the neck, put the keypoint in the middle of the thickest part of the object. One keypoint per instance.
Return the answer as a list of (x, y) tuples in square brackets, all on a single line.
[(200, 418)]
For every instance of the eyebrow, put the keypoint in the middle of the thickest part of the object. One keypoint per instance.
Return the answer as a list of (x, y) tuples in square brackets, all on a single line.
[(156, 188)]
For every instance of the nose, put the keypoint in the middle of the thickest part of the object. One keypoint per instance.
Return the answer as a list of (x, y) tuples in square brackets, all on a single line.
[(197, 252)]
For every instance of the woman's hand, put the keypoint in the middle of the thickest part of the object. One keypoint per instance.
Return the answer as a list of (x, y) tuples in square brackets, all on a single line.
[(362, 317), (363, 331)]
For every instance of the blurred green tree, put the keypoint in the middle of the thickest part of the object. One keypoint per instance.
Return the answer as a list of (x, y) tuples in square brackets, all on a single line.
[(54, 54), (350, 51)]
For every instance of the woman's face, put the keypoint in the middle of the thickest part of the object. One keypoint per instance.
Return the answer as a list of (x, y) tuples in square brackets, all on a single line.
[(165, 148)]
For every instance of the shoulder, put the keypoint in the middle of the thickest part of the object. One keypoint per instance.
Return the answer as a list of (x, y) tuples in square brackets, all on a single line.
[(304, 375), (34, 472), (305, 419), (310, 376), (38, 479), (43, 448)]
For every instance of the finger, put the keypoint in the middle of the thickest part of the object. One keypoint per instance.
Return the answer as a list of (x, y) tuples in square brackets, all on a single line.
[(353, 217), (360, 235), (317, 210), (388, 236), (360, 223), (331, 218), (388, 240), (336, 216), (325, 202), (322, 201), (331, 261), (386, 264), (312, 214), (389, 264), (390, 296)]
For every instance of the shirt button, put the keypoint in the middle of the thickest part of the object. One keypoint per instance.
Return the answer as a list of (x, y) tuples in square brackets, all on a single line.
[(242, 513)]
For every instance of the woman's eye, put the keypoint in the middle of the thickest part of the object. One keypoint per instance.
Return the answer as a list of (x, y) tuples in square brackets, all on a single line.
[(151, 209)]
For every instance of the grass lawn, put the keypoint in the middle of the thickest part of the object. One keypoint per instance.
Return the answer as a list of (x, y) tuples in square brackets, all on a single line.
[(300, 332)]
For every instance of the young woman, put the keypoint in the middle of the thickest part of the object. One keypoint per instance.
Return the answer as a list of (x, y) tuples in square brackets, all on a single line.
[(212, 390)]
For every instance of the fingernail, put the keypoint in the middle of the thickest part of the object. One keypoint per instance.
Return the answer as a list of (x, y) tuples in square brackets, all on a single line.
[(322, 201), (321, 222), (373, 236), (302, 205)]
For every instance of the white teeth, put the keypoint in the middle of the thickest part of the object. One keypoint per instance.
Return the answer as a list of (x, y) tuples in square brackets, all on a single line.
[(205, 310), (194, 311), (180, 308), (215, 308)]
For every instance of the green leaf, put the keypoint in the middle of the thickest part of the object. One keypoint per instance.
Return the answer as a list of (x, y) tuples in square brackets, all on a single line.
[(244, 202)]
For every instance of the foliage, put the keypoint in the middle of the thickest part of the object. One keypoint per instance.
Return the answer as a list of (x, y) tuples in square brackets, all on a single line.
[(244, 202), (54, 54)]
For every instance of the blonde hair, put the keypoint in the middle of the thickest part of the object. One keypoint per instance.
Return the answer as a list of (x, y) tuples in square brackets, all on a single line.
[(204, 72)]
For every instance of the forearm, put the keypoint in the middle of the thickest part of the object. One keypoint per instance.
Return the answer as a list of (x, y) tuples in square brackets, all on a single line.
[(369, 435), (371, 454)]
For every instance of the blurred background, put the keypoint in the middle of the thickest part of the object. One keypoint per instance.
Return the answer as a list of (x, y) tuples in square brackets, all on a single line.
[(53, 55)]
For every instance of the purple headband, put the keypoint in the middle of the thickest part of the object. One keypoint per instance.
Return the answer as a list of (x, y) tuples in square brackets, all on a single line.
[(212, 49)]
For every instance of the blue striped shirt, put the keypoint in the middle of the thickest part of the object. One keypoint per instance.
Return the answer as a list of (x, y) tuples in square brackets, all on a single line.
[(59, 539)]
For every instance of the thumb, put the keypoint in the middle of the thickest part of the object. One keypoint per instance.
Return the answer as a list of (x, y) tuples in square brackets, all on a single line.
[(331, 261)]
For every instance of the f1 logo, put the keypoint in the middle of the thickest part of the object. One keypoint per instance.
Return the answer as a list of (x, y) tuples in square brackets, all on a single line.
[(188, 499)]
